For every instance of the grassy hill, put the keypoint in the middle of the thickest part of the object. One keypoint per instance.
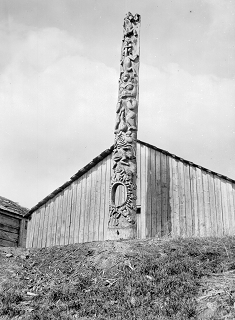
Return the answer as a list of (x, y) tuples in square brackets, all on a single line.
[(135, 279)]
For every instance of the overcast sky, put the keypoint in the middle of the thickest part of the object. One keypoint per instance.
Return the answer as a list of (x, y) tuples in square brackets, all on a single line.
[(59, 71)]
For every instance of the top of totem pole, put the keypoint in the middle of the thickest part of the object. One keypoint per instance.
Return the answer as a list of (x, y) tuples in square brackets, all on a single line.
[(129, 16)]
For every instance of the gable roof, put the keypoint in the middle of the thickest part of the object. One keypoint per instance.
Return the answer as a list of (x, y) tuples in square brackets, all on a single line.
[(12, 207), (103, 155)]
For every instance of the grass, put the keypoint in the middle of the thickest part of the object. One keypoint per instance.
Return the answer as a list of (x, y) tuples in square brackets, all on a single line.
[(122, 280)]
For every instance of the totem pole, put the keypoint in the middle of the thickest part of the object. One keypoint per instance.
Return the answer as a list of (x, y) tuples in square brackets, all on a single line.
[(122, 209)]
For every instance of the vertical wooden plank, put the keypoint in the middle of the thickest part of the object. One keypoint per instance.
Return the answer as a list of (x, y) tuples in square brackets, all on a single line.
[(182, 199), (50, 222), (231, 208), (79, 213), (148, 193), (175, 194), (74, 211), (206, 204), (56, 219), (68, 215), (188, 204), (212, 205), (31, 231), (107, 190), (97, 212), (143, 191), (40, 227), (158, 194), (202, 230), (59, 217), (64, 204), (171, 198), (194, 195), (87, 206), (233, 195), (92, 212), (36, 228), (138, 201), (153, 193), (219, 207), (102, 200), (83, 208), (225, 207), (164, 192), (22, 233), (168, 199), (45, 225)]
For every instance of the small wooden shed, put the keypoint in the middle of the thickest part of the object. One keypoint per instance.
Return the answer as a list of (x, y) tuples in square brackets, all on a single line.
[(175, 197), (13, 224)]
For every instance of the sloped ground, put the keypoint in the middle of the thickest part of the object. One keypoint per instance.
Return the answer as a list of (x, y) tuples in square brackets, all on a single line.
[(152, 279)]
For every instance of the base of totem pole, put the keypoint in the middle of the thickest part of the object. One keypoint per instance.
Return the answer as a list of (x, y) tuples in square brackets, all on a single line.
[(121, 233)]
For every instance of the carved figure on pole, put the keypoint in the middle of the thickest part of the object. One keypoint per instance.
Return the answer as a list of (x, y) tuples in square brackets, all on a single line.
[(122, 220)]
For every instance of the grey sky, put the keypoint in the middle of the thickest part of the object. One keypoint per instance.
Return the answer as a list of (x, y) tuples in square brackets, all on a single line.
[(59, 70)]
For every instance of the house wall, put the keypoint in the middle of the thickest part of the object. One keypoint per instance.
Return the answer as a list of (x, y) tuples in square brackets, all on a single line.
[(12, 230), (176, 198)]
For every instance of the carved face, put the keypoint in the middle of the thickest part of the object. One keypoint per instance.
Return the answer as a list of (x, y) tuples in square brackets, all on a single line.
[(125, 77)]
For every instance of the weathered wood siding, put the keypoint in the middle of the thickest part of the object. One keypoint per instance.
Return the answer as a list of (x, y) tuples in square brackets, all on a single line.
[(175, 198), (12, 230)]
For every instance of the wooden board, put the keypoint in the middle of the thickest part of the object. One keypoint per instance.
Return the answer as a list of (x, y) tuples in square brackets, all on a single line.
[(97, 203), (212, 205), (92, 204), (143, 182), (231, 207), (9, 236), (74, 212), (182, 202), (164, 196), (102, 200), (148, 194), (224, 202), (83, 208), (206, 198), (56, 201), (78, 211), (153, 193), (175, 220), (194, 198), (188, 201), (45, 225), (8, 221), (107, 197), (219, 208), (6, 243), (50, 206), (158, 194), (168, 198), (8, 228), (138, 200), (201, 211), (41, 226), (68, 215)]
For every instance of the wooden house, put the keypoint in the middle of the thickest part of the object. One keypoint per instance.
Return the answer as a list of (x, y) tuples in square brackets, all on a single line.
[(13, 224), (175, 197)]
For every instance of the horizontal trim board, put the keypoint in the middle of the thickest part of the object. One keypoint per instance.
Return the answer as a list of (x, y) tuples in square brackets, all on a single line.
[(6, 243), (9, 221)]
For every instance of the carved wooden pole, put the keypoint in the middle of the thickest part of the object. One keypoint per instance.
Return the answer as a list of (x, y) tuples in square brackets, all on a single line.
[(122, 220)]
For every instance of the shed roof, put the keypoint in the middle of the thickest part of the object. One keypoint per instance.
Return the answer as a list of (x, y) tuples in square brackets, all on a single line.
[(104, 154), (12, 207)]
